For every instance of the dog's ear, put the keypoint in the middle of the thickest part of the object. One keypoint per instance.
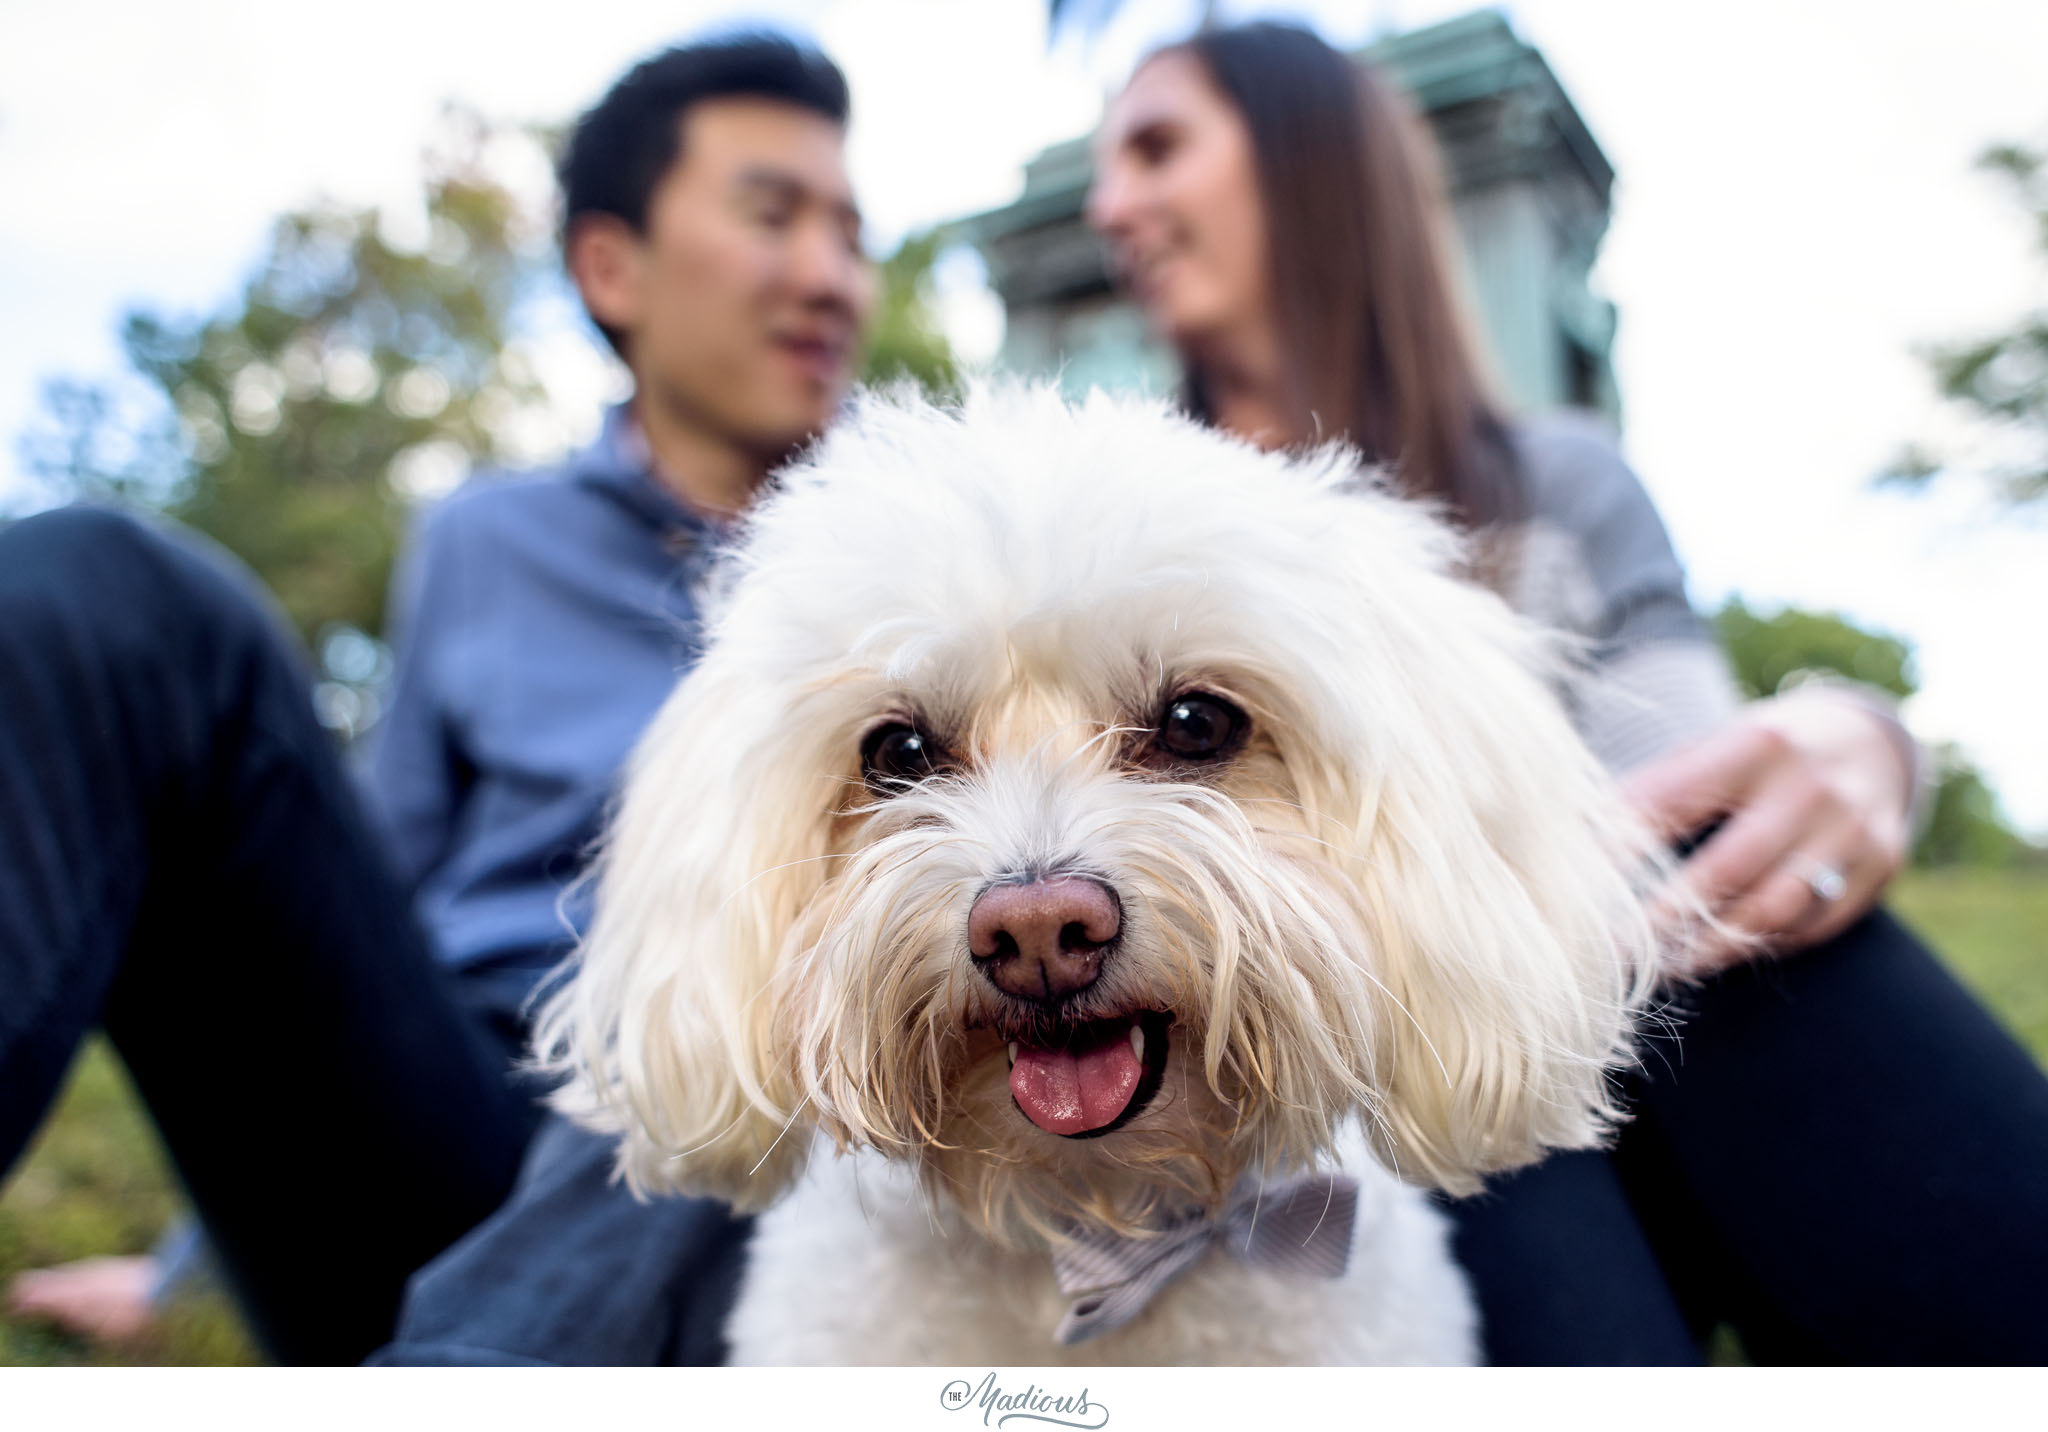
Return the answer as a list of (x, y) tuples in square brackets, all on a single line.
[(1505, 882), (665, 1033)]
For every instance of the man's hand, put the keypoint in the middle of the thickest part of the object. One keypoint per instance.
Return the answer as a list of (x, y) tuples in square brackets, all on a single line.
[(1812, 791)]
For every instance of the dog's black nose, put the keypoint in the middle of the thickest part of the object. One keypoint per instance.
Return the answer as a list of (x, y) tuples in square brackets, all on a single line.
[(1043, 939)]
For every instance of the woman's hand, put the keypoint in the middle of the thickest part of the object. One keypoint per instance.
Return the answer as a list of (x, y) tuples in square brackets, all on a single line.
[(1812, 791)]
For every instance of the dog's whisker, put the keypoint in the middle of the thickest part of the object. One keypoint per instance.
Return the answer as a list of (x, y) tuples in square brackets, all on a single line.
[(776, 870), (689, 1153), (786, 1127), (1258, 1202)]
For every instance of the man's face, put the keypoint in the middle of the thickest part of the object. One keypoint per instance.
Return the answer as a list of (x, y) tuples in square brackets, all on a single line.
[(743, 301)]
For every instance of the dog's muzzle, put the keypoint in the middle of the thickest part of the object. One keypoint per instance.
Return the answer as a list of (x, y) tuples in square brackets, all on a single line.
[(1043, 942)]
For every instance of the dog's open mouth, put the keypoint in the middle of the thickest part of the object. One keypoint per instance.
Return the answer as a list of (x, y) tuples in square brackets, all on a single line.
[(1091, 1079)]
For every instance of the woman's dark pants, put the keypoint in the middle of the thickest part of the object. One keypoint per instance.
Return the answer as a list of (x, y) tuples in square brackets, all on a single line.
[(1839, 1154)]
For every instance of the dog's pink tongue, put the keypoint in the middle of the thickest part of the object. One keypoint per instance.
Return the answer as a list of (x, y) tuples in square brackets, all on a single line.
[(1068, 1091)]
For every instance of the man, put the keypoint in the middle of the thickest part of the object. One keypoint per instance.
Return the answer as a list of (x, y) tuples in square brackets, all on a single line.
[(322, 1020)]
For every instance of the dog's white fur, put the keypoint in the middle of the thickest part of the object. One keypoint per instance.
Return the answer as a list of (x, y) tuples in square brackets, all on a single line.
[(1403, 928)]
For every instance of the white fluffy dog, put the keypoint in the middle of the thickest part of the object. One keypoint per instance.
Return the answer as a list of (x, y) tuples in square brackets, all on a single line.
[(1138, 855)]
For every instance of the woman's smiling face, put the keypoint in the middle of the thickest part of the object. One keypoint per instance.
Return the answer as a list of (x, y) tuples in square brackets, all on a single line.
[(1176, 194)]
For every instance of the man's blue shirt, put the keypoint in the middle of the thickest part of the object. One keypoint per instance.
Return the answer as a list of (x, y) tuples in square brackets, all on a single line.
[(541, 620)]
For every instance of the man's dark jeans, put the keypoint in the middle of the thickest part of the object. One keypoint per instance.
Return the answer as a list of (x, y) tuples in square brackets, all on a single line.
[(183, 861)]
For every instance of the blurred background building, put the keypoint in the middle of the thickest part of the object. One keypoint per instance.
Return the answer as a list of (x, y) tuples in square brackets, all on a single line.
[(1529, 184)]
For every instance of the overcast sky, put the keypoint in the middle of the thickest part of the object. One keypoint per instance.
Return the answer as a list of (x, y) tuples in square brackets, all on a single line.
[(1795, 211)]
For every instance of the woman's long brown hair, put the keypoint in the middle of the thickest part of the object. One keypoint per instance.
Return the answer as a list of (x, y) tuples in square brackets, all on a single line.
[(1376, 346)]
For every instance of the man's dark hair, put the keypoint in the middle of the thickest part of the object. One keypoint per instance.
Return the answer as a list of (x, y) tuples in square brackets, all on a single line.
[(620, 149)]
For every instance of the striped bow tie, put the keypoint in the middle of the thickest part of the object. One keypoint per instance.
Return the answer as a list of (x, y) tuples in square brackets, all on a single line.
[(1298, 1227)]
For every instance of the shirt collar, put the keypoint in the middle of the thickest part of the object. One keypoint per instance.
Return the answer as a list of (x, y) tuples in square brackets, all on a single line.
[(621, 464)]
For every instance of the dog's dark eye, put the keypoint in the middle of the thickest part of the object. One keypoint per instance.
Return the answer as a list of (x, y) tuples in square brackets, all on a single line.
[(1196, 726), (897, 754)]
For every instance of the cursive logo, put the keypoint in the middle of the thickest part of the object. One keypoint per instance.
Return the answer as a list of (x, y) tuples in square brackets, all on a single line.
[(1033, 1404)]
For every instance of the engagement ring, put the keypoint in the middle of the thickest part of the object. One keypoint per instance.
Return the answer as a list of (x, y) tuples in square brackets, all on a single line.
[(1826, 882)]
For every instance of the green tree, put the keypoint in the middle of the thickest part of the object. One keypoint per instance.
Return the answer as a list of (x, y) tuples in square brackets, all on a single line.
[(2001, 380), (1769, 652), (351, 374), (1966, 825), (904, 338)]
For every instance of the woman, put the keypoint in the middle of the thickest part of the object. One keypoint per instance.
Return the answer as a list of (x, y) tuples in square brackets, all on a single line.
[(1843, 1156)]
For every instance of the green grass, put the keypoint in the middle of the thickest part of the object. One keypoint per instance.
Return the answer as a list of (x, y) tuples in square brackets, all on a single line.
[(96, 1181), (1991, 926)]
